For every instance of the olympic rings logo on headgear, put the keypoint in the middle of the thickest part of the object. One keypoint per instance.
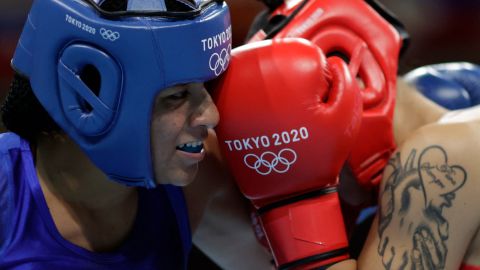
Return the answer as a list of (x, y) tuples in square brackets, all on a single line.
[(219, 62), (109, 34), (270, 161)]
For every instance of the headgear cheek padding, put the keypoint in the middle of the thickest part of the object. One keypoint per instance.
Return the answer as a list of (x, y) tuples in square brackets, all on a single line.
[(360, 58), (90, 114), (136, 54)]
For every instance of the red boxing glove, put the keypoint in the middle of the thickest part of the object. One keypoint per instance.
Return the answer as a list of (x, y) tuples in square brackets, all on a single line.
[(288, 122), (370, 38)]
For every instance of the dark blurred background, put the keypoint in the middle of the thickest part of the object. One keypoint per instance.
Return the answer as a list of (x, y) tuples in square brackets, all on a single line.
[(440, 30)]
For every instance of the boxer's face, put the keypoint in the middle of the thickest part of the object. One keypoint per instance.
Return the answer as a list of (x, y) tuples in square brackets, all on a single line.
[(181, 117)]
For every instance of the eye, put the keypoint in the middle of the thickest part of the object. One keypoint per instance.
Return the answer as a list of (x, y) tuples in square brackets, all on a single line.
[(174, 99), (179, 95)]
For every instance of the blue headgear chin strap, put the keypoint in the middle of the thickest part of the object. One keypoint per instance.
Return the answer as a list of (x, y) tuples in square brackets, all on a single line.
[(136, 55)]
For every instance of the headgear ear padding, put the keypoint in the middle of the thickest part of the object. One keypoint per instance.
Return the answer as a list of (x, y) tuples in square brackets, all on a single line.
[(96, 117)]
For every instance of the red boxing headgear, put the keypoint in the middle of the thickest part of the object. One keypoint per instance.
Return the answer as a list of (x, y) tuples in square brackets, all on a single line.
[(370, 40)]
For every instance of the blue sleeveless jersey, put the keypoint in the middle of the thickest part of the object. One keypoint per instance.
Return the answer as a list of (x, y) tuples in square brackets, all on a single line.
[(160, 238)]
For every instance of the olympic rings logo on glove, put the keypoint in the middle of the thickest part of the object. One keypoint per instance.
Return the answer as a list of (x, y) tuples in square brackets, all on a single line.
[(219, 62), (270, 161), (109, 34)]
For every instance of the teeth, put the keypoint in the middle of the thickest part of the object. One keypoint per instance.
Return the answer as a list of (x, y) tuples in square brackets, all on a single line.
[(191, 147), (191, 144)]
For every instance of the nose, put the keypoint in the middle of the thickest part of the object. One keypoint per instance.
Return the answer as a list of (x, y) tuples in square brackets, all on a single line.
[(206, 113)]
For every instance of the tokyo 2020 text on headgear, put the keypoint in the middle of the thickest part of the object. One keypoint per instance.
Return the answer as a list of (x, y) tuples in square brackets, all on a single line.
[(136, 53)]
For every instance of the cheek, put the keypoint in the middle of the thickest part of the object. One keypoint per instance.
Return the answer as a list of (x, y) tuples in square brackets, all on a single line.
[(162, 149), (164, 136), (168, 123)]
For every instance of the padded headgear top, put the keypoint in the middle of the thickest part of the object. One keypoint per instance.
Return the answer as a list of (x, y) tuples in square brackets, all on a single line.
[(135, 54), (370, 39)]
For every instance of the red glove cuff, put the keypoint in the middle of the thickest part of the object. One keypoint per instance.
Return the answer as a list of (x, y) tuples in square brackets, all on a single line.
[(309, 232)]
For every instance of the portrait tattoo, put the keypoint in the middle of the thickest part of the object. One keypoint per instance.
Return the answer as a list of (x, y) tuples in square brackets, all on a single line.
[(411, 206)]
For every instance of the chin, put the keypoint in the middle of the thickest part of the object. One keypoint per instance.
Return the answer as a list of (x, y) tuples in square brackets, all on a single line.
[(179, 178), (183, 181)]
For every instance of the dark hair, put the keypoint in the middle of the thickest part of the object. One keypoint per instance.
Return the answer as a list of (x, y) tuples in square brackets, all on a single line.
[(114, 5), (22, 112)]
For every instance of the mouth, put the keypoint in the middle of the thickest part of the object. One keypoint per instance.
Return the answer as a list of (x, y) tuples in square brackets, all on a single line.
[(191, 147)]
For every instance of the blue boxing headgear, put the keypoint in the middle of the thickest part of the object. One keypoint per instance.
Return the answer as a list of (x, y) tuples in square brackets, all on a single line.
[(137, 53)]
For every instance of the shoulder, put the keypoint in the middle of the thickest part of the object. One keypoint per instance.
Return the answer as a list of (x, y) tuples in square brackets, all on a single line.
[(14, 156), (9, 144), (452, 140), (10, 141)]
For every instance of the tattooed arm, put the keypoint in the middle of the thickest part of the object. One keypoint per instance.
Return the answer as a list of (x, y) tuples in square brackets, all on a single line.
[(428, 201)]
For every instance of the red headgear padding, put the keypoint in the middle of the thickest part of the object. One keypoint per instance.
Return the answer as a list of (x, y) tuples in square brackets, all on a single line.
[(370, 40)]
